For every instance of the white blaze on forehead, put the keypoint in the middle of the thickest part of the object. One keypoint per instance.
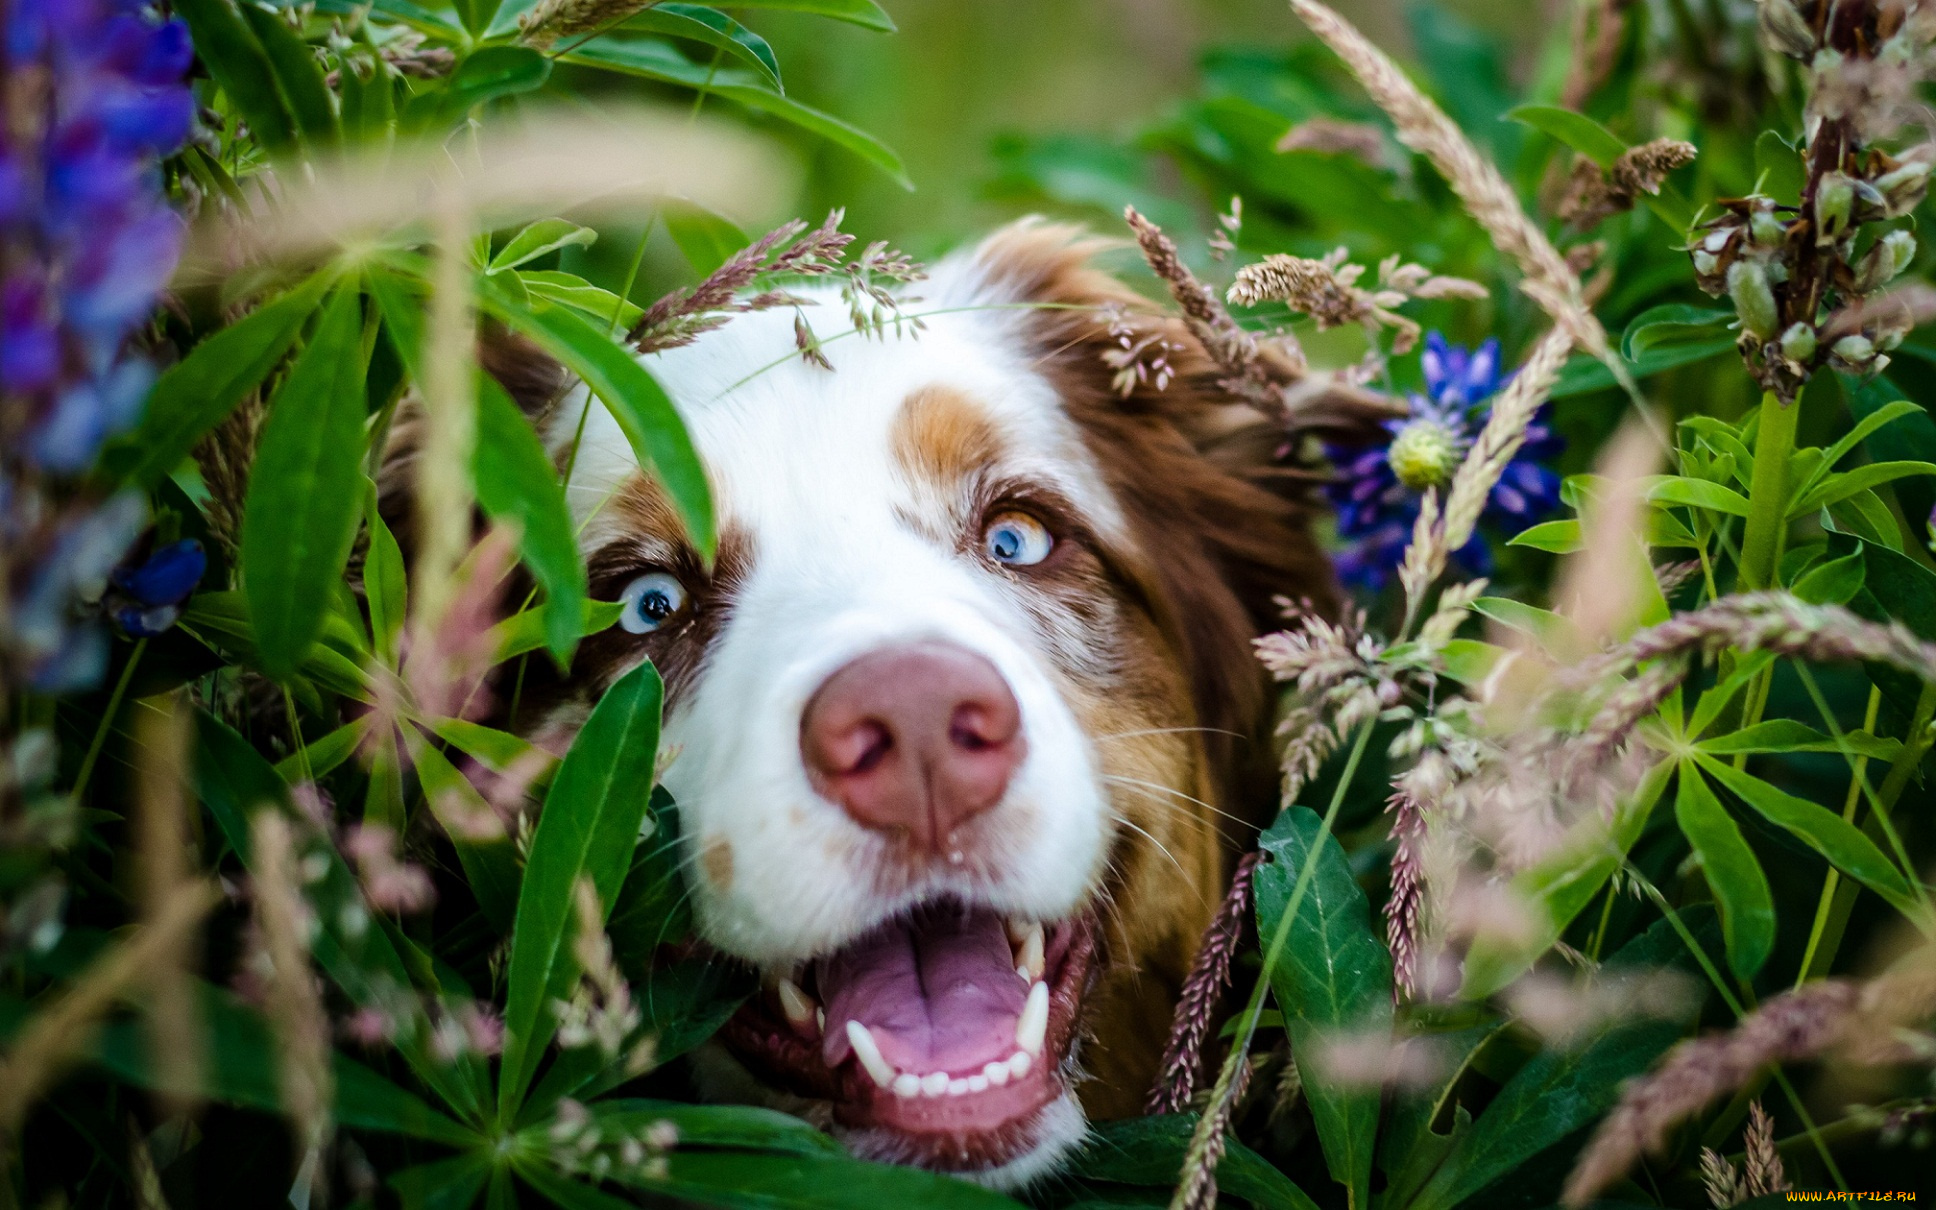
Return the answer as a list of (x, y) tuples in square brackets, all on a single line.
[(790, 446)]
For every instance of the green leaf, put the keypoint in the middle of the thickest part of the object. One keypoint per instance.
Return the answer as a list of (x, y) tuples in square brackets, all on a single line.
[(706, 239), (1778, 168), (1840, 843), (485, 75), (1832, 582), (238, 62), (223, 618), (575, 292), (1786, 735), (736, 1126), (1846, 484), (1698, 493), (234, 781), (199, 391), (635, 399), (1560, 886), (369, 106), (417, 17), (657, 61), (320, 758), (1558, 537), (1553, 632), (715, 29), (536, 239), (1740, 888), (1584, 374), (1868, 518), (500, 750), (1555, 1094), (588, 829), (305, 493), (517, 482), (451, 1184), (384, 584), (810, 1182), (864, 13), (526, 630), (297, 75), (1913, 437), (241, 1070), (1671, 323), (1470, 661), (1334, 975), (483, 847), (1149, 1152), (1865, 427), (1575, 130)]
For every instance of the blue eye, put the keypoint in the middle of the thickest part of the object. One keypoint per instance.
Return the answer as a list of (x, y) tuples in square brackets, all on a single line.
[(649, 600), (1017, 539)]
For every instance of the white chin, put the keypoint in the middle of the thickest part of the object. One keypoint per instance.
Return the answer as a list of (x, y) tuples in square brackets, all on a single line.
[(1059, 1127)]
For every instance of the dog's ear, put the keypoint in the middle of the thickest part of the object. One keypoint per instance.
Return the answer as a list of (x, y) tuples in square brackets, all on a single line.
[(1224, 524)]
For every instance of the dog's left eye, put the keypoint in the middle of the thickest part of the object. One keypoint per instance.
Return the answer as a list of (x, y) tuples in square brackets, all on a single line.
[(649, 600), (1017, 539)]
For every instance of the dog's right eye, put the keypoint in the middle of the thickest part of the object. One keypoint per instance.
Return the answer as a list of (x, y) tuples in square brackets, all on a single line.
[(649, 600)]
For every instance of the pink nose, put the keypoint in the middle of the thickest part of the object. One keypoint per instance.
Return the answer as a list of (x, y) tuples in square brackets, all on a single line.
[(913, 741)]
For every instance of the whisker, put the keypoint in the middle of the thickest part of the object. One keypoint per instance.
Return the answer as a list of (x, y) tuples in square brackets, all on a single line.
[(1136, 783), (1159, 844), (1173, 731)]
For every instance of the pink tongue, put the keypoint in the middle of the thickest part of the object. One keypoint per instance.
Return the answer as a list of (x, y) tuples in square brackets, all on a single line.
[(938, 992)]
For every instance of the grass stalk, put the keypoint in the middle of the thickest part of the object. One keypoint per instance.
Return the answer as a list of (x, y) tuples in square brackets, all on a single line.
[(1768, 493)]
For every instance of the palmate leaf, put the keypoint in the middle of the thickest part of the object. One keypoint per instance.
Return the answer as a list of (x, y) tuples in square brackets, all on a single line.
[(297, 76), (704, 238), (305, 494), (588, 829), (1149, 1152), (233, 780), (483, 847), (1841, 843), (765, 1181), (537, 239), (1848, 483), (236, 59), (739, 1127), (1733, 872), (715, 29), (1334, 976), (485, 75), (451, 1184), (864, 13), (1786, 735), (1603, 147)]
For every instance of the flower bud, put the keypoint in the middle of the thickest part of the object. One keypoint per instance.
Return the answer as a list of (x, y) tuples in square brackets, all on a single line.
[(1834, 200), (1903, 187), (1798, 343), (1768, 230), (1705, 264), (1424, 454), (1784, 30), (1754, 299), (1888, 257), (1857, 350)]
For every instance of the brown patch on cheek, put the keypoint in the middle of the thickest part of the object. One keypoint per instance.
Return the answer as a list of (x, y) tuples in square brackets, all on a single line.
[(942, 437), (717, 860)]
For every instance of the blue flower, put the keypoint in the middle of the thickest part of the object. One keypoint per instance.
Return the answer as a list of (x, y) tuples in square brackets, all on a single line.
[(148, 596), (1378, 488), (91, 244)]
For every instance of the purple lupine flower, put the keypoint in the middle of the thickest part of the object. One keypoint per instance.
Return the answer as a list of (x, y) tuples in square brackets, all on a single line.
[(96, 94), (147, 597), (1377, 491)]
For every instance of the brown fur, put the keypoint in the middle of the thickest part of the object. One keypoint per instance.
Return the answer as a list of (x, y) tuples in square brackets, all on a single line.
[(1213, 548)]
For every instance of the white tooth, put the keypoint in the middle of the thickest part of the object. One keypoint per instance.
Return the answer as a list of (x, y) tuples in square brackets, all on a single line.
[(934, 1083), (800, 1008), (957, 1086), (1018, 931), (997, 1073), (979, 1083), (869, 1054), (1019, 1064), (1029, 961), (907, 1084), (820, 1019), (1033, 1027)]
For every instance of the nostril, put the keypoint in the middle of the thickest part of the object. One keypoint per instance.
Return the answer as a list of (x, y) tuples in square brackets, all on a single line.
[(974, 727), (876, 743), (847, 751)]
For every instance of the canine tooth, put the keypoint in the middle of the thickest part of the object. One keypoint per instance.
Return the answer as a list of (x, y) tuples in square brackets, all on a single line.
[(934, 1083), (1029, 961), (1019, 1064), (1033, 1027), (978, 1082), (907, 1084), (957, 1086), (1018, 931), (997, 1073), (820, 1019), (800, 1008), (869, 1054)]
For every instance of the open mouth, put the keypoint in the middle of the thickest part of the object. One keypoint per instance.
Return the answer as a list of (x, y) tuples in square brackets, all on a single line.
[(940, 1037)]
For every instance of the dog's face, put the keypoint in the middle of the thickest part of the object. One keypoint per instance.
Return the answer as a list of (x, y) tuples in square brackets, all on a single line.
[(938, 703)]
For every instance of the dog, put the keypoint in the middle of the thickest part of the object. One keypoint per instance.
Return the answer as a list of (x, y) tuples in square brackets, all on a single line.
[(967, 719)]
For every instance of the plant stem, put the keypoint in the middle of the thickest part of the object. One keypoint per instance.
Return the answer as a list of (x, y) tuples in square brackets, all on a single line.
[(1200, 1139), (1834, 876), (1768, 493), (1914, 745), (107, 719)]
